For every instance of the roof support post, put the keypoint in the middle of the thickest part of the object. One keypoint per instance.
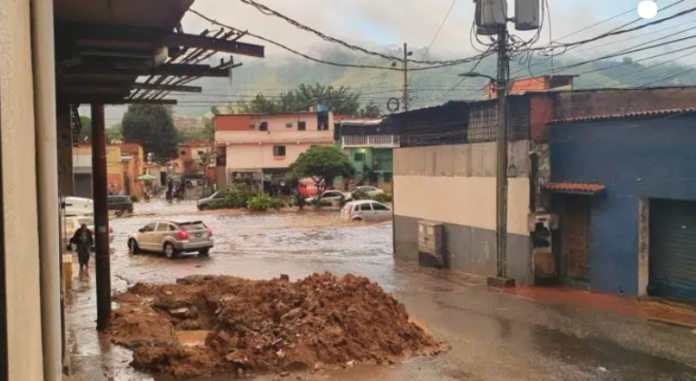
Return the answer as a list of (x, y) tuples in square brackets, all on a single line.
[(101, 218)]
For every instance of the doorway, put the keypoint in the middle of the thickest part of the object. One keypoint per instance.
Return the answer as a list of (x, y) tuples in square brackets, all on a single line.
[(575, 240)]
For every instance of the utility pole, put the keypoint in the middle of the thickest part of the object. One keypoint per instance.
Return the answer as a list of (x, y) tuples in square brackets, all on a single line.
[(102, 257), (405, 67), (502, 154)]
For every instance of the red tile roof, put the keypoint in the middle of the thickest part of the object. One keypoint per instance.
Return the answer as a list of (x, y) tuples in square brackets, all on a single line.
[(627, 115), (575, 187)]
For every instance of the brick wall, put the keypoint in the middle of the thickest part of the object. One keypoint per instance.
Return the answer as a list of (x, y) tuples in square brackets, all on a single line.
[(578, 104)]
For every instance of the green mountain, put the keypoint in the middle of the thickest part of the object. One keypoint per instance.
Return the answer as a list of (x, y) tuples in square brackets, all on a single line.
[(427, 88)]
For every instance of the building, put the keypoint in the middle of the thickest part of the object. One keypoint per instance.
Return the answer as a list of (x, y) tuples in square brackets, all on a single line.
[(124, 164), (194, 157), (615, 153), (444, 172), (520, 86), (49, 65), (258, 148), (624, 189), (370, 149)]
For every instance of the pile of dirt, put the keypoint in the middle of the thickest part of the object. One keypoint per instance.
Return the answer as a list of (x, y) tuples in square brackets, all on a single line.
[(264, 326)]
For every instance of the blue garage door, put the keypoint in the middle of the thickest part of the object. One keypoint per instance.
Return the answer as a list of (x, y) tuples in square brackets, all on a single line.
[(673, 249)]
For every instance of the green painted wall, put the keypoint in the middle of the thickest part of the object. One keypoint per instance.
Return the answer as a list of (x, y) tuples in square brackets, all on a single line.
[(361, 157)]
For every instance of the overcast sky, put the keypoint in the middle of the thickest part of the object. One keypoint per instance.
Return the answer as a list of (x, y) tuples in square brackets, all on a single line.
[(389, 22)]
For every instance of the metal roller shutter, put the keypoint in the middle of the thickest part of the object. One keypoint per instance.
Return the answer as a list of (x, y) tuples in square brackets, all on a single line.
[(673, 249)]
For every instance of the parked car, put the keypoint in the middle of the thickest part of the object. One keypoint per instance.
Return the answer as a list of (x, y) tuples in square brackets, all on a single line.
[(368, 189), (205, 203), (366, 210), (78, 206), (120, 203), (73, 223), (331, 197), (172, 238)]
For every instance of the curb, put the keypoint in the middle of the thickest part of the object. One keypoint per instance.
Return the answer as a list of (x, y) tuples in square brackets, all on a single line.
[(672, 323)]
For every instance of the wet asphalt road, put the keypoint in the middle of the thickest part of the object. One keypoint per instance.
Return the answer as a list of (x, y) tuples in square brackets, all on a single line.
[(494, 336)]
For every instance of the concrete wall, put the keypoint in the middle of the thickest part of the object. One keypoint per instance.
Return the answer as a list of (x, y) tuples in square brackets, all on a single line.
[(634, 158), (259, 156), (19, 193), (456, 185)]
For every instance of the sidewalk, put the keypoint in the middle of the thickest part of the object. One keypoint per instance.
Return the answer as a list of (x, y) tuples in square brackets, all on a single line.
[(649, 309)]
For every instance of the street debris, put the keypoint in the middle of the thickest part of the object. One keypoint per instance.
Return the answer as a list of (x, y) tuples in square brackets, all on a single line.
[(205, 325)]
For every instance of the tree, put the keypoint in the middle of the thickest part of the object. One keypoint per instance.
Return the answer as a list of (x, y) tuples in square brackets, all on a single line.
[(152, 127), (113, 133), (339, 100), (370, 111), (86, 131), (322, 164)]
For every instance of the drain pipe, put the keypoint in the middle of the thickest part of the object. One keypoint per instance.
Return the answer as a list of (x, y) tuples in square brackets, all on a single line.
[(43, 51)]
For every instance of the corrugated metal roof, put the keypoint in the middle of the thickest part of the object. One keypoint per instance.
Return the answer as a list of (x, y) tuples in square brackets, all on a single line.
[(627, 115), (575, 187)]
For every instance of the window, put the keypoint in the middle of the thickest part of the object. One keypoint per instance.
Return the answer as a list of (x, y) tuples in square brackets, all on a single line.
[(171, 228), (162, 227), (252, 126), (364, 208), (359, 156), (379, 207), (323, 121), (263, 126), (279, 151), (149, 228), (289, 125), (183, 153), (301, 126)]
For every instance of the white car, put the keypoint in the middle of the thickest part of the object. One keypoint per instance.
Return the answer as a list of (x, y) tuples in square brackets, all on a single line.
[(73, 223), (368, 190), (78, 206), (366, 210), (331, 197)]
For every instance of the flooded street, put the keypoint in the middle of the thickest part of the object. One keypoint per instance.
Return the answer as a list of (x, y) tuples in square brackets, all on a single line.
[(494, 336)]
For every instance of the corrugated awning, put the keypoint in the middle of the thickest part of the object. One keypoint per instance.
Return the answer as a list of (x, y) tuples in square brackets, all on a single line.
[(574, 188)]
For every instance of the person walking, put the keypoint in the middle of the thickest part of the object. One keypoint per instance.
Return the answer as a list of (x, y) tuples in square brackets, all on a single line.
[(84, 241)]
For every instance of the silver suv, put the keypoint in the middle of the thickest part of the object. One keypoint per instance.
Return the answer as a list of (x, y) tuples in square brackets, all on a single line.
[(172, 238)]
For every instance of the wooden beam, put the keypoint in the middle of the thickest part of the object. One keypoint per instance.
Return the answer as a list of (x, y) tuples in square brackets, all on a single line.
[(111, 100), (179, 88), (169, 102), (175, 70), (217, 44)]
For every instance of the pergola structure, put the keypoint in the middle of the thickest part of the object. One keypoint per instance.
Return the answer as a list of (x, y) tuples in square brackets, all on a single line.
[(102, 48)]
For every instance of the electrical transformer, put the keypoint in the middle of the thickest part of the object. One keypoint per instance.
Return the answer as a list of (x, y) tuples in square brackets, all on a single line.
[(490, 13), (527, 14)]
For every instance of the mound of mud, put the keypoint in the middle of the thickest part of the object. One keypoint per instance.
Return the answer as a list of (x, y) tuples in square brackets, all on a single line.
[(248, 326)]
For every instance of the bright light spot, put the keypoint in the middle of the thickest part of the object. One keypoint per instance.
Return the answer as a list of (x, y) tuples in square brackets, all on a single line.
[(647, 9)]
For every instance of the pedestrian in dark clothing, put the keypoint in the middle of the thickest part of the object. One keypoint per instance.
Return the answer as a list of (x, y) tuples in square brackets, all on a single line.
[(84, 242)]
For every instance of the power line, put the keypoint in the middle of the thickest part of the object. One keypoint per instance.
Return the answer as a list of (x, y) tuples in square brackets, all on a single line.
[(645, 59), (437, 34), (619, 32), (669, 77), (271, 12), (439, 64), (604, 35), (629, 38), (615, 55)]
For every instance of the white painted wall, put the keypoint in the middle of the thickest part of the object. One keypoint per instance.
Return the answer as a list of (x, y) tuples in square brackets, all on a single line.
[(259, 156), (466, 201), (19, 191), (456, 184)]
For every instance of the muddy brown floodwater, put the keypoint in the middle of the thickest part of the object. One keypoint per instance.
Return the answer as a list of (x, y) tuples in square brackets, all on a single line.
[(494, 336)]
